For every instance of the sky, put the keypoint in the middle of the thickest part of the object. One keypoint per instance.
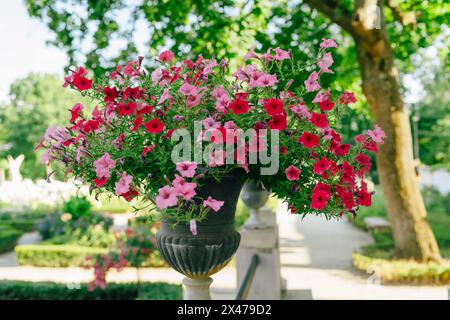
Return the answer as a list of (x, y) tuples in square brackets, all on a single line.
[(24, 50), (24, 47)]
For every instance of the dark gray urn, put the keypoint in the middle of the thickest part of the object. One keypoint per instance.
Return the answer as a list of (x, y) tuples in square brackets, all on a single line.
[(216, 241)]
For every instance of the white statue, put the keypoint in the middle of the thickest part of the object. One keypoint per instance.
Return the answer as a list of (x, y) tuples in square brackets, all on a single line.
[(14, 168)]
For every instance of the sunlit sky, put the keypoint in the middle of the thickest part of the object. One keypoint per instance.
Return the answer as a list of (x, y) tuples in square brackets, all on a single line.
[(24, 50)]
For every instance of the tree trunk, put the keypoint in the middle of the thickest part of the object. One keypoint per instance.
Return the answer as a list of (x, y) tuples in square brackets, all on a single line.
[(406, 210)]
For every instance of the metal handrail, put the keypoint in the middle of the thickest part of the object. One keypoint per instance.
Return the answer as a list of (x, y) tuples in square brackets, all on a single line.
[(247, 282)]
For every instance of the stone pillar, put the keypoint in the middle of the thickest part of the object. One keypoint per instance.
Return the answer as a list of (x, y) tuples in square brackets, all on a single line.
[(196, 289), (267, 283)]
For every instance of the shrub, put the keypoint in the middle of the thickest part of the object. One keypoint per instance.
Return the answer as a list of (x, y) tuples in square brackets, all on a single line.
[(403, 271), (8, 238), (77, 206), (21, 290), (41, 255), (64, 224)]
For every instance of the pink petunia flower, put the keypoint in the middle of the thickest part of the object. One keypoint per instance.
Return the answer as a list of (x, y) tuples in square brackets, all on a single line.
[(193, 227), (311, 83), (377, 134), (167, 198), (326, 62), (188, 90), (187, 168), (322, 97), (184, 189), (281, 54), (103, 165), (165, 96), (210, 123), (123, 185), (328, 43), (213, 204)]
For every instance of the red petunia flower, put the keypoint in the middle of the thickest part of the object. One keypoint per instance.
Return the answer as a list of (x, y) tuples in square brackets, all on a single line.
[(100, 182), (362, 159), (347, 98), (341, 150), (364, 198), (273, 106), (319, 200), (91, 125), (110, 94), (126, 109), (321, 166), (278, 122), (80, 81), (309, 140), (130, 195), (154, 126), (75, 112), (320, 186), (319, 120), (239, 106), (292, 173), (166, 56), (137, 123), (347, 199), (326, 105)]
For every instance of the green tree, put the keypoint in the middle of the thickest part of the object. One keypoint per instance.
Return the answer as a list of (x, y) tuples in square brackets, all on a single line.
[(35, 102), (377, 39)]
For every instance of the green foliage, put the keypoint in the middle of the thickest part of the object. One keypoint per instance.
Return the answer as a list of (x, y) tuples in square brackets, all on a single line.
[(77, 206), (45, 255), (21, 290), (438, 216), (36, 102), (8, 238), (403, 271), (77, 223)]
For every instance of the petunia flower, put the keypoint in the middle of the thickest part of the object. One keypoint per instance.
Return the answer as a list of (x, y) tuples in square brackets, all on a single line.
[(103, 165), (377, 134), (325, 63), (193, 227), (167, 198), (292, 173), (213, 204), (123, 185), (186, 168), (311, 83)]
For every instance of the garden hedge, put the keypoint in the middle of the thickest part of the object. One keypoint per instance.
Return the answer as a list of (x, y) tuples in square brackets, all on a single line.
[(22, 290), (403, 271), (45, 255), (8, 238), (55, 255)]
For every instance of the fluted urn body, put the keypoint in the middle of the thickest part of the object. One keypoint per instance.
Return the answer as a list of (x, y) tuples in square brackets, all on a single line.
[(216, 241)]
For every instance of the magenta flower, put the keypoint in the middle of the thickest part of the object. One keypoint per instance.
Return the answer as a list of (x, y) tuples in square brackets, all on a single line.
[(322, 97), (213, 204), (311, 83), (123, 185), (377, 134), (164, 96), (103, 165), (167, 198), (292, 173), (187, 168), (210, 123)]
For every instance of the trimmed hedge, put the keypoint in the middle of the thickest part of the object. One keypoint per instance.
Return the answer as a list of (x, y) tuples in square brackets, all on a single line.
[(22, 290), (24, 225), (8, 239), (403, 271), (55, 255), (61, 256)]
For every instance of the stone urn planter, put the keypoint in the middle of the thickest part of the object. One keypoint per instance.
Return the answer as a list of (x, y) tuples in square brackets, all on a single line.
[(198, 257), (255, 196)]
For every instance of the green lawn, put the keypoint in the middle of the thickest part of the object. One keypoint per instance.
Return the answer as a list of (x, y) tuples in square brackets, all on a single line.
[(438, 217)]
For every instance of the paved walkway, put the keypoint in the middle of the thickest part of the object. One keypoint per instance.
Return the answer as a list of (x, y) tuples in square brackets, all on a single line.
[(315, 255)]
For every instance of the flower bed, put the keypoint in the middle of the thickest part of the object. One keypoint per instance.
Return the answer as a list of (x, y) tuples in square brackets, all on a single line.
[(403, 271), (21, 290)]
